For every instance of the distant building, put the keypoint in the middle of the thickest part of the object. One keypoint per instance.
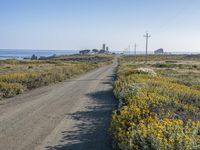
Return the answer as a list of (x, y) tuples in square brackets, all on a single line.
[(104, 47), (107, 48), (159, 51), (84, 52), (43, 58), (102, 51)]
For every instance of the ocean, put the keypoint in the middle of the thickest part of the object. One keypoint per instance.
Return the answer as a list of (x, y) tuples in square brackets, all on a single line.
[(21, 54)]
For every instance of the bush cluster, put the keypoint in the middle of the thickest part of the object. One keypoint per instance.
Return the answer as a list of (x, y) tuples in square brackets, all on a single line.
[(10, 89), (13, 81), (157, 113)]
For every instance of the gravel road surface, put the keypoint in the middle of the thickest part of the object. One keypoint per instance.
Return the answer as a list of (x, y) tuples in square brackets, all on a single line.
[(72, 115)]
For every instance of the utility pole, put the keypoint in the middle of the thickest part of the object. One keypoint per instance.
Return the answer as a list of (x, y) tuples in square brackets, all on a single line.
[(135, 48), (147, 36), (129, 52)]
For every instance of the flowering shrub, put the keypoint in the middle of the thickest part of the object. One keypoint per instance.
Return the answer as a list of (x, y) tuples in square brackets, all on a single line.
[(157, 113), (10, 89), (147, 71)]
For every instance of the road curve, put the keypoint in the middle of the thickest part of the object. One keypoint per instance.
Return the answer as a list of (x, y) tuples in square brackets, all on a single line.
[(72, 115)]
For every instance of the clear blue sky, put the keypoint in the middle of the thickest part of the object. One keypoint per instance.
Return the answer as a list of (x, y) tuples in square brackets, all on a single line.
[(80, 24)]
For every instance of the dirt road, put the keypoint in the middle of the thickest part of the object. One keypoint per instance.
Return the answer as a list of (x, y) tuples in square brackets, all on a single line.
[(73, 115)]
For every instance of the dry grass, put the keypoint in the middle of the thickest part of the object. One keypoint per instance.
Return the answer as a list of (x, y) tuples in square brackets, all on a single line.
[(17, 76)]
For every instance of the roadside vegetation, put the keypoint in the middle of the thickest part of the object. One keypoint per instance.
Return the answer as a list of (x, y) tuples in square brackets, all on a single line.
[(159, 103), (17, 76)]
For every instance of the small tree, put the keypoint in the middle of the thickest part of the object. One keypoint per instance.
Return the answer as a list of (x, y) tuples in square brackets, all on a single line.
[(95, 50), (34, 57)]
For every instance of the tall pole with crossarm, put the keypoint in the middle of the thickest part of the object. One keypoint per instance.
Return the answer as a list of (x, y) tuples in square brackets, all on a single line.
[(147, 36), (135, 48)]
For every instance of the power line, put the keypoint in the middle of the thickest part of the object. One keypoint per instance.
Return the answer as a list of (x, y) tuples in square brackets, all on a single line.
[(147, 36)]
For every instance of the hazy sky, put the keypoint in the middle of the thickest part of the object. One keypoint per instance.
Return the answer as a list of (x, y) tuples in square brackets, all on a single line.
[(81, 24)]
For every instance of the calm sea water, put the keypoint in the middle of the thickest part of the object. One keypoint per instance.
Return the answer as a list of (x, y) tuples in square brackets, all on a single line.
[(21, 54)]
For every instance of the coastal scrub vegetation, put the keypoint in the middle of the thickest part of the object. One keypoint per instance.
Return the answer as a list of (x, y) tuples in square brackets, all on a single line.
[(17, 76), (159, 104)]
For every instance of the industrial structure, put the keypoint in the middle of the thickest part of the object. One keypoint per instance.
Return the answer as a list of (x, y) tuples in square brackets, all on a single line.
[(104, 50)]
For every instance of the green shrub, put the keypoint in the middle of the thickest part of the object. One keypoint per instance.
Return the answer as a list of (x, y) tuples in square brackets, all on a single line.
[(18, 75), (10, 89), (158, 113)]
